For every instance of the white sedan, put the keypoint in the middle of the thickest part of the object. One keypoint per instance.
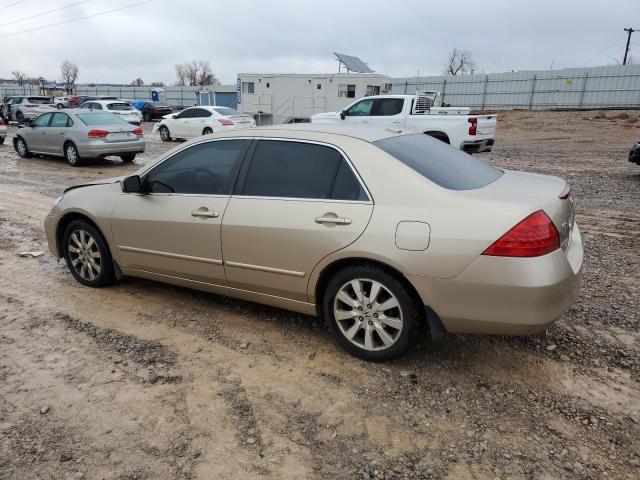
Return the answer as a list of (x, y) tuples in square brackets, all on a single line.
[(195, 121), (119, 107)]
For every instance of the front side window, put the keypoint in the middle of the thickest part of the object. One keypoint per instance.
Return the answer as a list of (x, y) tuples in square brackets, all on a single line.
[(284, 169), (346, 90), (42, 120), (204, 169), (60, 120), (436, 161), (388, 106), (360, 109), (248, 87), (188, 113)]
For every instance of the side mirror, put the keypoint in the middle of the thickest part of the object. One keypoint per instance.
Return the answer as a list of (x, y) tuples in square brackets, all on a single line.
[(26, 122), (174, 116), (132, 184), (342, 114)]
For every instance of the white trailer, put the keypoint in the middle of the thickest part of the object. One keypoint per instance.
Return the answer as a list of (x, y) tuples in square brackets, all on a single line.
[(287, 98)]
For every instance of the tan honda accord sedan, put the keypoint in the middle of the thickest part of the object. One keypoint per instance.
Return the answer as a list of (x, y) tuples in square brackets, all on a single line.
[(376, 230)]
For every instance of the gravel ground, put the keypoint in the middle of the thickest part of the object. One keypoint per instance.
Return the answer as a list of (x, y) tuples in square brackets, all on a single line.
[(149, 381)]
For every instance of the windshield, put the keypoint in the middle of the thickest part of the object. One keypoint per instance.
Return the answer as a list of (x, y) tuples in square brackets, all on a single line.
[(229, 112), (39, 100), (91, 119), (442, 164), (119, 106)]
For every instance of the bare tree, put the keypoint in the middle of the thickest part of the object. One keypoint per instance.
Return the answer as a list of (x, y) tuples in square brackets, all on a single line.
[(20, 77), (69, 73), (157, 84), (181, 74), (460, 62), (138, 82), (195, 73)]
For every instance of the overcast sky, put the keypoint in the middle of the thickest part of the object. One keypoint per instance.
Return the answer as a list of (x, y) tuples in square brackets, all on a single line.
[(397, 38)]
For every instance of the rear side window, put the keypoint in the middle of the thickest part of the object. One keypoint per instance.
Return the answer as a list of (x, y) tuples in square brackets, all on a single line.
[(388, 106), (446, 166), (60, 120), (200, 113), (285, 169), (203, 169), (346, 185), (39, 100), (119, 106)]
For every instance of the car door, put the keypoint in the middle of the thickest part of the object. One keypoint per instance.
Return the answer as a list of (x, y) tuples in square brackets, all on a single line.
[(296, 202), (37, 139), (200, 118), (56, 133), (359, 112), (179, 126), (387, 111), (173, 228)]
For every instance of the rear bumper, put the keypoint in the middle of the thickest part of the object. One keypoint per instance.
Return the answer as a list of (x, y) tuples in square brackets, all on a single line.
[(478, 145), (98, 148), (506, 296)]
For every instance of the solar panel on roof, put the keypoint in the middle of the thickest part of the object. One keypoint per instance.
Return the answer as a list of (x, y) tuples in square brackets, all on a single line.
[(353, 64)]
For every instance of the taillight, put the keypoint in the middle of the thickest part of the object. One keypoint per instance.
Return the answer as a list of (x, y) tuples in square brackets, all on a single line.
[(97, 133), (225, 121), (473, 129), (1, 121), (564, 194), (534, 236), (138, 131)]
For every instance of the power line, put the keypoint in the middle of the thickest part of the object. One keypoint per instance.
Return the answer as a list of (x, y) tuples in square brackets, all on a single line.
[(43, 13), (76, 19), (599, 55), (13, 4)]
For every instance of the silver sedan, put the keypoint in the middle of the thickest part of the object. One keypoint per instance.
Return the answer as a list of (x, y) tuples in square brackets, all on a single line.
[(79, 135)]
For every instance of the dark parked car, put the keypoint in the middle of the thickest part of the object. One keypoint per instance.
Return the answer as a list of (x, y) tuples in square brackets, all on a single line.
[(634, 154), (152, 110)]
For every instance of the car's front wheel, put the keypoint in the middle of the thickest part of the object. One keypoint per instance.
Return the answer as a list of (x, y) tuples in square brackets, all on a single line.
[(370, 312), (165, 136), (72, 155), (87, 254), (21, 148), (59, 106)]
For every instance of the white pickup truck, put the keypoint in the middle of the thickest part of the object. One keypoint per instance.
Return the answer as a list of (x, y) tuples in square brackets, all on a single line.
[(452, 125)]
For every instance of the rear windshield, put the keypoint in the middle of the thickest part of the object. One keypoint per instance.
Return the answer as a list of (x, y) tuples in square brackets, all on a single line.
[(91, 119), (435, 160), (119, 106), (227, 111), (39, 100)]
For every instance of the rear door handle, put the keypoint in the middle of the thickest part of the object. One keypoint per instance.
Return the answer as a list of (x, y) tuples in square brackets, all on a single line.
[(336, 220), (204, 212)]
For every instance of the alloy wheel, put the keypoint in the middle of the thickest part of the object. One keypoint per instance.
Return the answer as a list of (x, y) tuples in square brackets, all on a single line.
[(84, 254), (72, 154), (21, 147), (368, 314), (164, 134)]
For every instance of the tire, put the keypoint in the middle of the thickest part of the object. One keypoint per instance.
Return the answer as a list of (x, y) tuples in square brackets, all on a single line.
[(165, 135), (19, 118), (1, 140), (207, 131), (128, 157), (22, 148), (146, 116), (59, 106), (362, 317), (72, 155), (87, 255)]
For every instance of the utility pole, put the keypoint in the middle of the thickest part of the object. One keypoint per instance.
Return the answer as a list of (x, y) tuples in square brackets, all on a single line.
[(626, 50)]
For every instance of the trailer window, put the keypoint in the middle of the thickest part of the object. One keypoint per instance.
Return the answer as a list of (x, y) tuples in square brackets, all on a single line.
[(346, 90), (248, 87), (442, 164)]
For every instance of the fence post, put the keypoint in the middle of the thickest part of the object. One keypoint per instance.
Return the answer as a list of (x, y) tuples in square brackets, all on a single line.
[(484, 94), (444, 88), (406, 86), (584, 87), (533, 90)]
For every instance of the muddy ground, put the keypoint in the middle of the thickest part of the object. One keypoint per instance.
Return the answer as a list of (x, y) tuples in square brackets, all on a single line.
[(148, 381)]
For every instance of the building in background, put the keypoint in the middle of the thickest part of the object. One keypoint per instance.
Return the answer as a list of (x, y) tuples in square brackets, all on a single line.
[(290, 97)]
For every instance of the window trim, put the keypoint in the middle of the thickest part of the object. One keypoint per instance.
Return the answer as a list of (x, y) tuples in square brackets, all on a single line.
[(143, 175), (242, 175)]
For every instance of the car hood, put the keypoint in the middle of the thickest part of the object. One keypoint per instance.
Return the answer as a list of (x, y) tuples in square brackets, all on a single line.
[(325, 116), (104, 181)]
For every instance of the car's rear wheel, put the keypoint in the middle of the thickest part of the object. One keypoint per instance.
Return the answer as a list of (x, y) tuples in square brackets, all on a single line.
[(1, 140), (370, 312), (21, 148), (72, 155), (128, 157), (59, 106), (19, 118), (87, 254), (207, 131), (146, 116), (165, 136)]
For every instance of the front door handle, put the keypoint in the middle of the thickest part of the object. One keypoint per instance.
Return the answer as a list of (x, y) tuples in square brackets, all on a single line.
[(204, 212), (336, 220)]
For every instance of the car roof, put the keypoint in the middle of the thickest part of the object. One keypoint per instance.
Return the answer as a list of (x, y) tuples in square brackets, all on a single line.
[(368, 133)]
